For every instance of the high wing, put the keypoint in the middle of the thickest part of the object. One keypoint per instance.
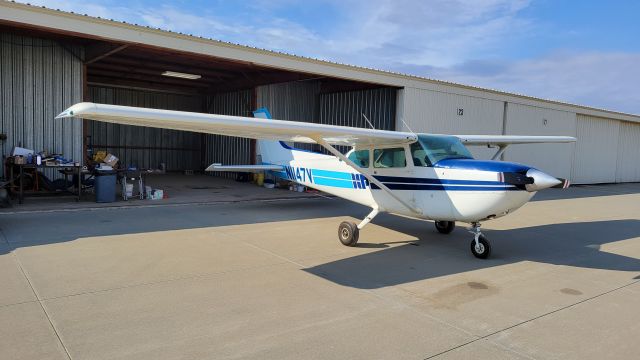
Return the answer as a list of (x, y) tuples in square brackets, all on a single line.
[(237, 125), (504, 140)]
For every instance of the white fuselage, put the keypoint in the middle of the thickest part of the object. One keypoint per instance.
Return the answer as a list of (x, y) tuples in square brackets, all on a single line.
[(438, 193)]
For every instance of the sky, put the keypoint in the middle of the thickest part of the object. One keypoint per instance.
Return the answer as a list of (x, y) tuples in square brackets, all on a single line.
[(585, 52)]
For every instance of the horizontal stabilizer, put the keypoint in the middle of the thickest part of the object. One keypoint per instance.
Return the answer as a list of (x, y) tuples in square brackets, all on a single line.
[(243, 168)]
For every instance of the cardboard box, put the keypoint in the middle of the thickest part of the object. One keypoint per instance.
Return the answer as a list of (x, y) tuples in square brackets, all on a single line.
[(21, 151), (99, 156), (111, 160)]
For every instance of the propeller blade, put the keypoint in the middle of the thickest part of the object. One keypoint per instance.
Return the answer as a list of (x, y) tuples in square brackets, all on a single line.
[(563, 185)]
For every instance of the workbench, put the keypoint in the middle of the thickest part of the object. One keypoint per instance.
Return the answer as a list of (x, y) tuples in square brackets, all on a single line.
[(66, 170)]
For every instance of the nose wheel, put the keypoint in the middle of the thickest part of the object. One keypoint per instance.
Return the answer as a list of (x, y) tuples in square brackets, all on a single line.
[(480, 245)]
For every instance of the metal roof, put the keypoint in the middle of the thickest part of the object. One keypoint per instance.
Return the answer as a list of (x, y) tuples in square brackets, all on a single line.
[(323, 67)]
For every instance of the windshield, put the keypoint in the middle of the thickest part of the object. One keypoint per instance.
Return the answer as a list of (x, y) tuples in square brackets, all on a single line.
[(440, 147)]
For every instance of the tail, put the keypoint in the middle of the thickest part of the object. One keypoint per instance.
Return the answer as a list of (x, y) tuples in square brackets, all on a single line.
[(272, 152)]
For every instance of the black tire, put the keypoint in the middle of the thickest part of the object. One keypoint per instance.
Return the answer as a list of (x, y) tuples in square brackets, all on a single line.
[(485, 248), (445, 227), (348, 233)]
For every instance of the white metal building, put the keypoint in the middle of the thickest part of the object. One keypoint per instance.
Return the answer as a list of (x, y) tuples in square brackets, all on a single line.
[(50, 59)]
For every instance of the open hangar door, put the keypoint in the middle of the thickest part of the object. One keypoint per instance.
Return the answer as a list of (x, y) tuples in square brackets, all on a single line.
[(333, 102), (133, 76), (144, 147), (324, 101)]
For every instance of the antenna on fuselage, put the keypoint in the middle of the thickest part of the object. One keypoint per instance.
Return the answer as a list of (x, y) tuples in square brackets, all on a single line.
[(369, 122)]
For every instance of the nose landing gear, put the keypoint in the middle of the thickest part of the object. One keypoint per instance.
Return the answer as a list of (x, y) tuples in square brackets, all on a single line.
[(480, 245)]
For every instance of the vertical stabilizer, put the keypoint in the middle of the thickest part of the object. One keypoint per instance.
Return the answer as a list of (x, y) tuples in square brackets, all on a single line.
[(272, 152)]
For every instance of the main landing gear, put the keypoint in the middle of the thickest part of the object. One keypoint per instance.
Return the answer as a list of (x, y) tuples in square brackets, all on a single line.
[(480, 245), (348, 232)]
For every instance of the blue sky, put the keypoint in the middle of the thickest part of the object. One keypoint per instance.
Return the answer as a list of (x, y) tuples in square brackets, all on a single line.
[(586, 52)]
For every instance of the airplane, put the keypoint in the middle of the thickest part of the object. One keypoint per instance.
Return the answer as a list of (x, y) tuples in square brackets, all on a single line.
[(423, 176)]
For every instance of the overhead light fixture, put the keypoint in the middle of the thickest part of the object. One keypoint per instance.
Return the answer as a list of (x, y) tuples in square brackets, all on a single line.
[(182, 75)]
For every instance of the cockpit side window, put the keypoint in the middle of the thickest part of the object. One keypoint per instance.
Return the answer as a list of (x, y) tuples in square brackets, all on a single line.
[(360, 158), (389, 158), (419, 155)]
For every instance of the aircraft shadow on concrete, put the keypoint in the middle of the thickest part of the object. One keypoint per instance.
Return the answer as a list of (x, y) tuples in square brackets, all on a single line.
[(433, 255), (21, 230), (430, 255)]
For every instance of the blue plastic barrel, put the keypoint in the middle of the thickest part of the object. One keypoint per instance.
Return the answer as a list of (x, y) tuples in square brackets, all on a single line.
[(105, 186)]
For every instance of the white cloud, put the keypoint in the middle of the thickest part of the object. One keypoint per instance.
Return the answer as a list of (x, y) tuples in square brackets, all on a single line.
[(606, 80)]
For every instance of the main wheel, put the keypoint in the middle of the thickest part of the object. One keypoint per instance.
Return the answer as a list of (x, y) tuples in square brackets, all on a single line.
[(483, 250), (445, 227), (348, 233)]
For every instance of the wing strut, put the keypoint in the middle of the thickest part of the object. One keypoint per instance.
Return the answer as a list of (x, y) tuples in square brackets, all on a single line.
[(500, 151), (369, 177)]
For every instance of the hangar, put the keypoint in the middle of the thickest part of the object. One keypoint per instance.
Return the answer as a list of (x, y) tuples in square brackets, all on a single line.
[(50, 59)]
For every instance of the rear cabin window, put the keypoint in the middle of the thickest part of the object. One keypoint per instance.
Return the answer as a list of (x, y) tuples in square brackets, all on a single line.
[(360, 158), (389, 158)]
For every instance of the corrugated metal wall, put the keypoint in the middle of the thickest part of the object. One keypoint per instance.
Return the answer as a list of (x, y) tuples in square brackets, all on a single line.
[(142, 146), (228, 150), (303, 101), (435, 112), (555, 159), (628, 168), (296, 101), (38, 80), (596, 153), (346, 109)]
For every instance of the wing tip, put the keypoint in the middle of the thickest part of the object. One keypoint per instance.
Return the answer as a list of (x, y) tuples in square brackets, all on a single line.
[(76, 110)]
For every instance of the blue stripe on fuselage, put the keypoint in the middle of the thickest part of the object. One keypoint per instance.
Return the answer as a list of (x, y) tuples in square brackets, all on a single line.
[(333, 182), (418, 187), (348, 180), (398, 179), (332, 174)]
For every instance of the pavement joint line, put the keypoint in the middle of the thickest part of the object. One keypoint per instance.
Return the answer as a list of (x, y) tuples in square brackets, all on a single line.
[(485, 337), (200, 203), (264, 250), (18, 303), (151, 283), (35, 293)]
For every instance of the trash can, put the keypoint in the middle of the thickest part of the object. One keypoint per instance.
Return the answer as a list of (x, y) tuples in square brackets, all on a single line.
[(105, 185)]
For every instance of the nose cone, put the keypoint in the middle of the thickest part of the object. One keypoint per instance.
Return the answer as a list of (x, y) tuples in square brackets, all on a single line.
[(541, 180)]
